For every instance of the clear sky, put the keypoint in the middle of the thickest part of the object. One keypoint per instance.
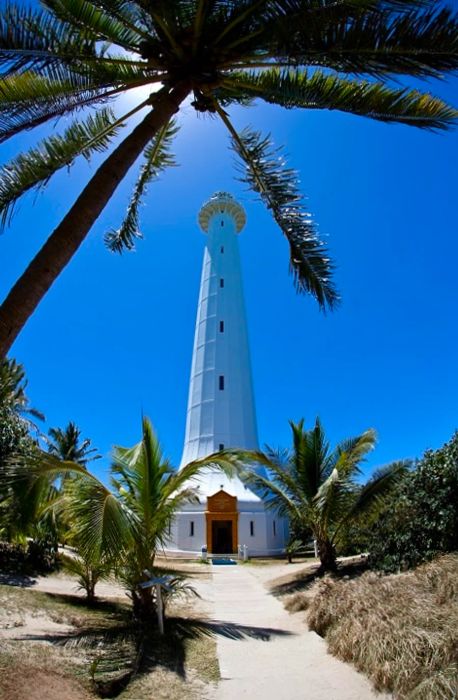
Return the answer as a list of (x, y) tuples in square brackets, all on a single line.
[(113, 338)]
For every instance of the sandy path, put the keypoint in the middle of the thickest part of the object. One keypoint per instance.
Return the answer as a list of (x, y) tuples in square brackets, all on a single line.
[(277, 657), (68, 585)]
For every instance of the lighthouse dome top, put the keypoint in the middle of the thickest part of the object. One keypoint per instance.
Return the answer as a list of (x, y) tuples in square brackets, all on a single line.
[(222, 203)]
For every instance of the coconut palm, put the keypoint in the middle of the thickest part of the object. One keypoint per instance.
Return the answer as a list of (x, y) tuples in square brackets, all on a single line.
[(66, 444), (15, 426), (315, 486), (13, 397), (126, 524), (74, 56)]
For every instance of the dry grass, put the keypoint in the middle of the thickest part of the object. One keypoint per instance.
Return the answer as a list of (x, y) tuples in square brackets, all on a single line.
[(298, 602), (35, 625), (164, 683), (32, 671), (401, 630)]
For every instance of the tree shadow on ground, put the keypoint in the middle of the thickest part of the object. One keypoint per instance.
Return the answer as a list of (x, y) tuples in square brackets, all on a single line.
[(8, 578), (99, 604), (192, 628), (120, 651), (303, 580)]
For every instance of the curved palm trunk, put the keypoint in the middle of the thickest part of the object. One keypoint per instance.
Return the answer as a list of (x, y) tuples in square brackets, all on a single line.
[(63, 243)]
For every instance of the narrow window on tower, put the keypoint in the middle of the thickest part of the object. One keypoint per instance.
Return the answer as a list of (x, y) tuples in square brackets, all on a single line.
[(221, 326), (251, 528), (275, 528), (221, 446), (221, 282), (222, 223), (221, 382), (191, 528), (222, 249)]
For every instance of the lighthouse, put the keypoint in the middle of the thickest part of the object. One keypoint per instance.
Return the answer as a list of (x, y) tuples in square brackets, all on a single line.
[(221, 408)]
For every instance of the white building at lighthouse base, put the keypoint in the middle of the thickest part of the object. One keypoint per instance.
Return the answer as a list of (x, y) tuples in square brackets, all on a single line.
[(227, 516)]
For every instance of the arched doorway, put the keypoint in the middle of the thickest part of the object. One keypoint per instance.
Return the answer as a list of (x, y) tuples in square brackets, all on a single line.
[(222, 518)]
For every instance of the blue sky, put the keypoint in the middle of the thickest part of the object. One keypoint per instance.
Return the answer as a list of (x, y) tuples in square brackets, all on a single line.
[(113, 338)]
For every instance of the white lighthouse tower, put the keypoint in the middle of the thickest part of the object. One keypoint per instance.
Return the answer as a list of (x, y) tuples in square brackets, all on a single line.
[(221, 411)]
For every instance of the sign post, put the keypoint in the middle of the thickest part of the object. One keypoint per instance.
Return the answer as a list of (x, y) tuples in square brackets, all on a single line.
[(159, 583)]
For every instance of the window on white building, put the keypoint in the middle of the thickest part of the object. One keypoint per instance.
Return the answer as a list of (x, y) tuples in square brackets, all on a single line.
[(191, 528), (251, 528)]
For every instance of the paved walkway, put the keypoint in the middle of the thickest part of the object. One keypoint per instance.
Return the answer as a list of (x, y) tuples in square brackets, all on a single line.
[(268, 654)]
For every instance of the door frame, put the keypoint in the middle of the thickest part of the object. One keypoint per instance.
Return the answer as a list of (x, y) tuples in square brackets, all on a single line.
[(222, 506)]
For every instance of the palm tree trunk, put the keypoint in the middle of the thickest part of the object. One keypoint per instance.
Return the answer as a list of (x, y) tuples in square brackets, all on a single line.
[(327, 554), (144, 607), (63, 243)]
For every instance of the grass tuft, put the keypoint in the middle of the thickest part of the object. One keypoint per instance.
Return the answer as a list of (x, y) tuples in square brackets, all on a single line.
[(297, 602), (401, 630)]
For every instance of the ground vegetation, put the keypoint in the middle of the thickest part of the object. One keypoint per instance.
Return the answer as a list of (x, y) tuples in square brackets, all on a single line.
[(422, 520), (317, 487), (76, 651), (401, 630), (118, 528)]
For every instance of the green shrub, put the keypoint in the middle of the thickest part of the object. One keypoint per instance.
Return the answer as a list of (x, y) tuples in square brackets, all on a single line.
[(421, 521), (36, 557)]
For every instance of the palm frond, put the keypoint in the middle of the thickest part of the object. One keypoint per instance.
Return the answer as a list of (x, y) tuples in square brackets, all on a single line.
[(39, 464), (28, 99), (99, 24), (157, 157), (310, 454), (39, 41), (374, 492), (229, 462), (240, 14), (35, 167), (13, 384), (334, 495), (102, 524), (266, 173), (278, 493), (349, 453), (330, 500), (319, 90), (29, 497), (280, 456), (67, 444), (202, 7), (31, 38), (374, 42)]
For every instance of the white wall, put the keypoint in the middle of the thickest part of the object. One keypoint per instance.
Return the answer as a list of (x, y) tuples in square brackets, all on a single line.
[(180, 538), (262, 543)]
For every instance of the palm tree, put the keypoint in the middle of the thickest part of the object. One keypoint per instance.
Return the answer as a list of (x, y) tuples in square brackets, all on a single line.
[(315, 486), (126, 524), (66, 444), (77, 55), (13, 397)]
